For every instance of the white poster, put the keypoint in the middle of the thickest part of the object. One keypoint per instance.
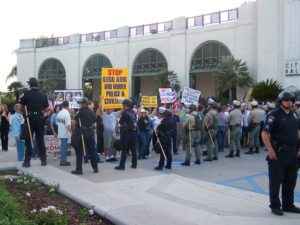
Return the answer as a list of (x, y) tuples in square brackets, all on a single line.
[(51, 143), (167, 95), (72, 96), (190, 96)]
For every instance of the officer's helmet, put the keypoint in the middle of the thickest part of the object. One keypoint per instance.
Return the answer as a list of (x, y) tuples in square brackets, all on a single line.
[(286, 96), (128, 103), (32, 82)]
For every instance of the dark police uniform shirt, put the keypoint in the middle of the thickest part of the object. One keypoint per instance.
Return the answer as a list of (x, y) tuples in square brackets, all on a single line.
[(88, 120), (128, 121), (283, 128), (35, 101)]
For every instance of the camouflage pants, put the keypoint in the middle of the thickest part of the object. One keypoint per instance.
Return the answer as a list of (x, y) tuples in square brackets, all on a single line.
[(235, 138), (254, 137), (212, 151), (192, 142)]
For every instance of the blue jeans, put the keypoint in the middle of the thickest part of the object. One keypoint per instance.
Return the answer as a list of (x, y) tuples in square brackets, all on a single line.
[(63, 149), (20, 148), (142, 144), (221, 138)]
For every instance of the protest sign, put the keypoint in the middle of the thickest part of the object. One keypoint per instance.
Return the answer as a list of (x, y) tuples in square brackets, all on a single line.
[(149, 101), (114, 87), (190, 96), (72, 96), (51, 143), (167, 95)]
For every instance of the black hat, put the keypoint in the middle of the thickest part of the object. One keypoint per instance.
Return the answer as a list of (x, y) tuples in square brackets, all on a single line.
[(32, 82), (128, 103)]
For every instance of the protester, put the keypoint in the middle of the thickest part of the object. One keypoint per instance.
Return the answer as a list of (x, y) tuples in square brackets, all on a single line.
[(4, 127), (16, 123), (63, 121), (53, 123), (144, 126), (222, 123)]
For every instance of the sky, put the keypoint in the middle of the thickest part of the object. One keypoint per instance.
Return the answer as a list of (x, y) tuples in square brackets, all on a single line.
[(22, 19)]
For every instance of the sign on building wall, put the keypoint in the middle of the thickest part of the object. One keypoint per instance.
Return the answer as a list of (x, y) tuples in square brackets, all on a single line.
[(167, 95), (149, 101), (114, 87), (292, 68), (190, 96)]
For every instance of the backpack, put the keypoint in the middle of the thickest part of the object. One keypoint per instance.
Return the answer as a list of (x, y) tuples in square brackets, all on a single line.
[(198, 121)]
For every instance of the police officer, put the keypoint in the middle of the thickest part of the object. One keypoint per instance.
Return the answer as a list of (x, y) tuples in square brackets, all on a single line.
[(193, 134), (256, 117), (162, 139), (83, 137), (280, 136), (128, 134), (210, 126), (235, 120), (36, 103)]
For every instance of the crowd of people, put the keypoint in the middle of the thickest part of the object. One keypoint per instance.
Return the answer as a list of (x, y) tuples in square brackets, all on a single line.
[(203, 129), (200, 130)]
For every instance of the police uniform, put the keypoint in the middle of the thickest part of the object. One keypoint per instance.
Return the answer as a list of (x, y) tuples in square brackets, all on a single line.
[(36, 102), (256, 117), (235, 120), (193, 139), (162, 142), (283, 129), (85, 121), (128, 137), (210, 125)]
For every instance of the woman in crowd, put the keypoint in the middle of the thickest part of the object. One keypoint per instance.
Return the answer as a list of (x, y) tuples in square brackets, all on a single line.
[(4, 127)]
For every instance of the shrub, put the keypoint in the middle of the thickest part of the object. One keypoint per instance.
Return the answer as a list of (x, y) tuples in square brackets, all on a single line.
[(266, 90)]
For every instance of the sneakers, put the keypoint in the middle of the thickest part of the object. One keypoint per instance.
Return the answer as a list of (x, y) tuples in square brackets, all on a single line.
[(26, 164), (119, 168), (158, 168), (76, 172), (64, 163), (198, 162), (277, 212), (293, 209), (185, 163)]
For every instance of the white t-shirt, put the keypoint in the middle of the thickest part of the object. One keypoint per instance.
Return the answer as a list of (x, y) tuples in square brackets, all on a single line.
[(63, 120)]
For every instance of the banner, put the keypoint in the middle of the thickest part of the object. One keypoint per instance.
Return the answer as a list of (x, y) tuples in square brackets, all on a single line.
[(149, 101), (167, 95), (114, 87), (190, 96), (72, 96), (51, 143)]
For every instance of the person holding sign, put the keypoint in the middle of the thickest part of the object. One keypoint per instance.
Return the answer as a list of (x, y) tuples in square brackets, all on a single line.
[(128, 132)]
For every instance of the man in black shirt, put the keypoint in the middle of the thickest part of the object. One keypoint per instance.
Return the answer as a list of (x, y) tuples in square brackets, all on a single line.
[(280, 136), (83, 137), (35, 103), (128, 134)]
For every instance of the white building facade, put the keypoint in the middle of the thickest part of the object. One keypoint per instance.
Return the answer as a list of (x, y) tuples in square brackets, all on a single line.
[(265, 34)]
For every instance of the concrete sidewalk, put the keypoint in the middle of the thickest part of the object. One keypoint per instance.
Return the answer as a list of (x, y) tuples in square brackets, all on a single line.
[(162, 199)]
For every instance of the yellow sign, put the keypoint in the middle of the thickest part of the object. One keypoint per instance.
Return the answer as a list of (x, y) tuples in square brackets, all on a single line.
[(114, 87), (149, 101)]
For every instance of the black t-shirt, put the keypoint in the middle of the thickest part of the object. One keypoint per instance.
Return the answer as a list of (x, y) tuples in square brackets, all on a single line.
[(283, 127), (34, 100)]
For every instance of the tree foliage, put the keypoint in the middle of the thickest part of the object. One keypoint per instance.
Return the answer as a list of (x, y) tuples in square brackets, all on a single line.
[(266, 90), (232, 73)]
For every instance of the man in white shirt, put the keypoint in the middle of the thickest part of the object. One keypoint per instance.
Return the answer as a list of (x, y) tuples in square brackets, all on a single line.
[(63, 120)]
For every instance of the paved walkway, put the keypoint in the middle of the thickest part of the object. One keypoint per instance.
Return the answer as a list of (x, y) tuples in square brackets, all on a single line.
[(207, 194)]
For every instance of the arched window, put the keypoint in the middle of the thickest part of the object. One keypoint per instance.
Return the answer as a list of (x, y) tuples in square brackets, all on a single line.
[(150, 61), (93, 66), (53, 70), (208, 56)]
